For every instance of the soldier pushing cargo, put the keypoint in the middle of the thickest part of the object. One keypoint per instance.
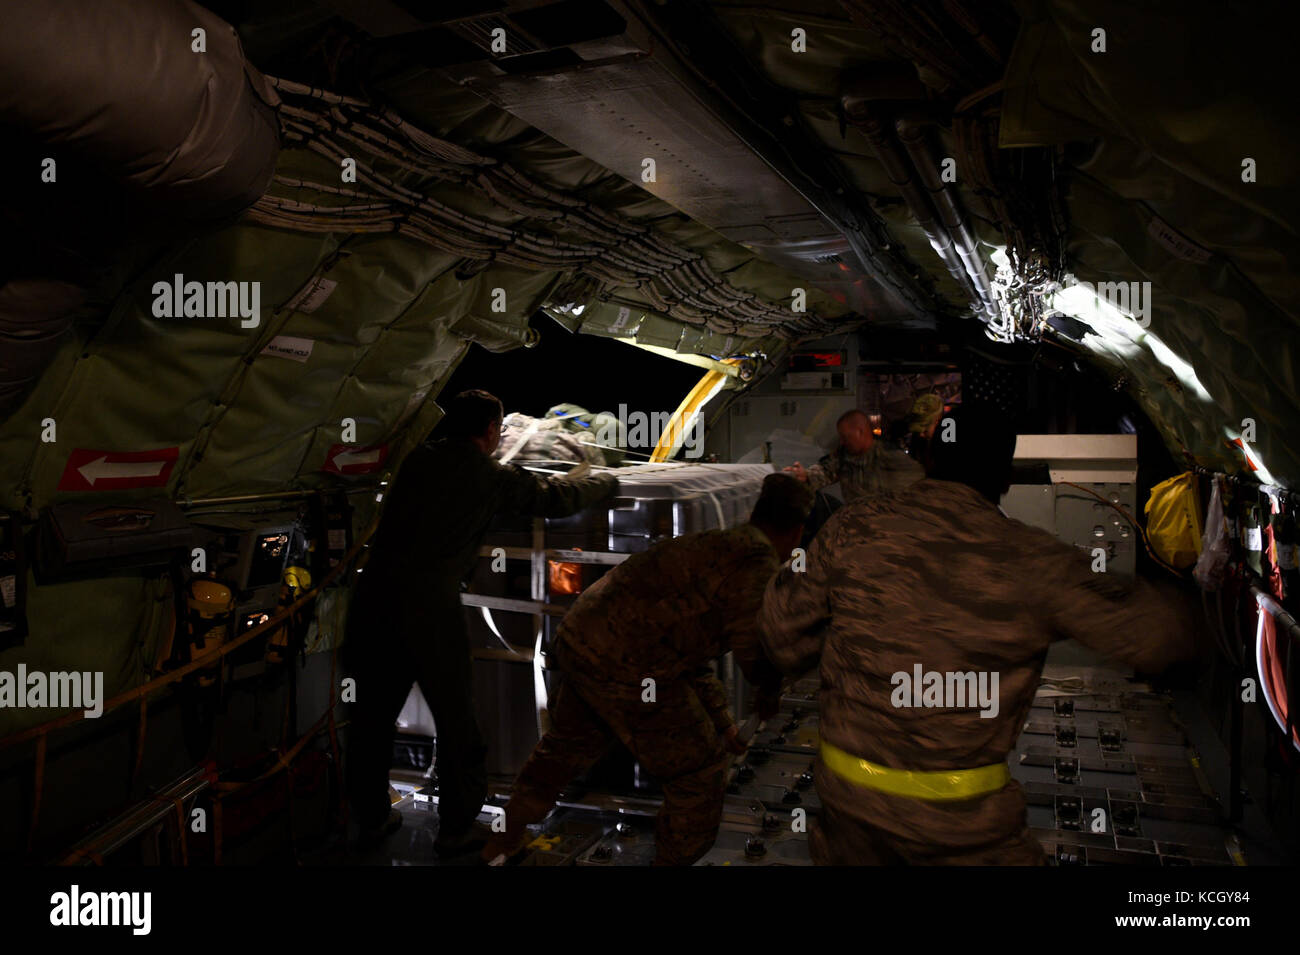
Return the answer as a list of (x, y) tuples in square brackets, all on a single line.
[(861, 465), (937, 578), (634, 653), (407, 624)]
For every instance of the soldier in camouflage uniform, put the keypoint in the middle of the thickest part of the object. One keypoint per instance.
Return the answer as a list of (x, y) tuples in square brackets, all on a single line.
[(406, 622), (862, 466), (661, 616), (937, 575)]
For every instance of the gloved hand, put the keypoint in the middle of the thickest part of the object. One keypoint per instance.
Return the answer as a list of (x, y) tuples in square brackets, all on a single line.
[(732, 741)]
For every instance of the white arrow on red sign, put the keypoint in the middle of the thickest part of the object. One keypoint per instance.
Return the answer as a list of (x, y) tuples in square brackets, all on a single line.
[(102, 469), (350, 459), (93, 470)]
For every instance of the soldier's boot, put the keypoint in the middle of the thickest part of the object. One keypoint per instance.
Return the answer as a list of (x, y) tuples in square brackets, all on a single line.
[(463, 841), (687, 826)]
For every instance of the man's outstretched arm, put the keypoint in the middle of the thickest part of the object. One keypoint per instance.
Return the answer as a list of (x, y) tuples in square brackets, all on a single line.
[(1147, 627), (822, 474), (523, 492)]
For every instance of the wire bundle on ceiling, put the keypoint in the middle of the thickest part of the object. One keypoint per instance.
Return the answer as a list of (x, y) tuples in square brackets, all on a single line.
[(557, 231)]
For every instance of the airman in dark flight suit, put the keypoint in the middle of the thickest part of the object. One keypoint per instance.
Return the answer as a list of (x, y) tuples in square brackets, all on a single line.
[(407, 624)]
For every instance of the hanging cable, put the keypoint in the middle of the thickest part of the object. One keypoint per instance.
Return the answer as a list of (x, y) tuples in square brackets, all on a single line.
[(1136, 526)]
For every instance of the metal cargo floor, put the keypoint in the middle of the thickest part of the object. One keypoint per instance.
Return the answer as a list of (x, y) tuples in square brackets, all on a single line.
[(1114, 774)]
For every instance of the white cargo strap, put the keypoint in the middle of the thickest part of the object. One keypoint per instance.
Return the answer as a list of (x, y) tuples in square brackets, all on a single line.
[(722, 518), (528, 433)]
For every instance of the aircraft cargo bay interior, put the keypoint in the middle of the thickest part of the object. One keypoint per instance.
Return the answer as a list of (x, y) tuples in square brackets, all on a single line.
[(622, 434)]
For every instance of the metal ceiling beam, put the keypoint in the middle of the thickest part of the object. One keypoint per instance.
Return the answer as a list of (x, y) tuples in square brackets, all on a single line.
[(766, 118)]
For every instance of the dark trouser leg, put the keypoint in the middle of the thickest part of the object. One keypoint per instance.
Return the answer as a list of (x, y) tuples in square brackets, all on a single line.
[(835, 839), (577, 738), (444, 670), (674, 739), (383, 680), (688, 821)]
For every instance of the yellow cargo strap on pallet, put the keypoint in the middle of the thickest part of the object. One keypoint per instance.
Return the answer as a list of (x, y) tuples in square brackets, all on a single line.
[(937, 787)]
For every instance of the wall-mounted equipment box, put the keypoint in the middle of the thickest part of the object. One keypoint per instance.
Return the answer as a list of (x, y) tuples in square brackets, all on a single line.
[(79, 538), (1082, 458), (818, 372), (1093, 476)]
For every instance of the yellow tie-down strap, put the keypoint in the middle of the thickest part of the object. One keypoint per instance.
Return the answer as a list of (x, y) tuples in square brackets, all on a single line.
[(945, 786)]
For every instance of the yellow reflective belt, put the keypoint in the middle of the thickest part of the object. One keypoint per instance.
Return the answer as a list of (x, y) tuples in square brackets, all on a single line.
[(957, 784)]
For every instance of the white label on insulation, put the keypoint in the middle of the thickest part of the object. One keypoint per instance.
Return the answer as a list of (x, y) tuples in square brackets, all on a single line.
[(624, 315), (286, 346), (1176, 243), (311, 296)]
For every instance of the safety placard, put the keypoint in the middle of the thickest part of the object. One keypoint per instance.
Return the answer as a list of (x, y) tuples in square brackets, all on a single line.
[(286, 346), (350, 459), (91, 470)]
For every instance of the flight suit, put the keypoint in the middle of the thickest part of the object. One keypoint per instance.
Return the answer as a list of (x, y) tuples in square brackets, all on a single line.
[(937, 576), (660, 616), (406, 622), (880, 470)]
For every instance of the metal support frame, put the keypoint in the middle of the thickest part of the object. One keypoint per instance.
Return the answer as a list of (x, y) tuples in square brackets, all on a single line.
[(536, 605), (149, 812)]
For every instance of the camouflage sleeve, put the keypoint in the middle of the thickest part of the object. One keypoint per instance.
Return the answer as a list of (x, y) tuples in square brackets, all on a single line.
[(522, 492), (714, 697), (796, 607), (742, 595), (899, 470), (824, 472), (1141, 626)]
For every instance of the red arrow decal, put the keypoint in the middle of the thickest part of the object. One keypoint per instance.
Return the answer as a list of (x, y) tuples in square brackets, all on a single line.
[(91, 470)]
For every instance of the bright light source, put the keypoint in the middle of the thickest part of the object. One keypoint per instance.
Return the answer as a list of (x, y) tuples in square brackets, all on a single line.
[(1120, 335), (1112, 330), (1181, 369)]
